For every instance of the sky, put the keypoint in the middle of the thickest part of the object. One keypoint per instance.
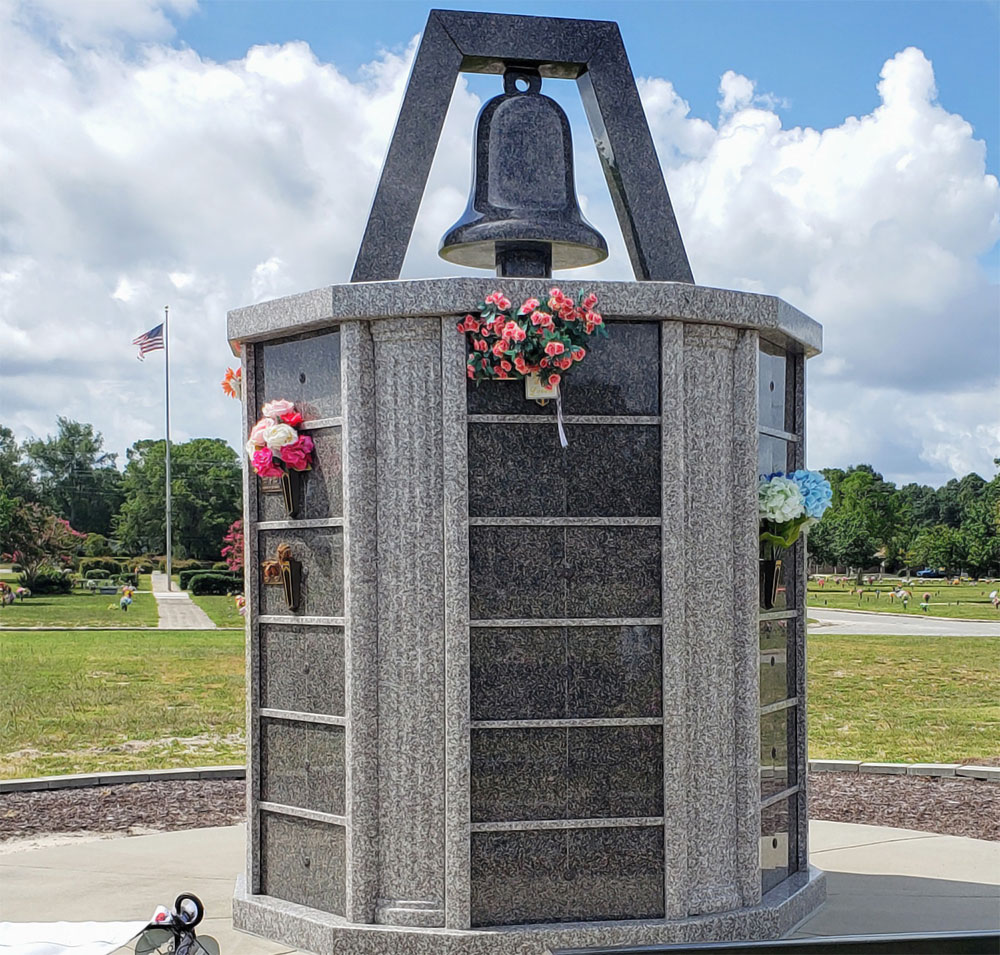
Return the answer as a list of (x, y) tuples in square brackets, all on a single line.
[(841, 155)]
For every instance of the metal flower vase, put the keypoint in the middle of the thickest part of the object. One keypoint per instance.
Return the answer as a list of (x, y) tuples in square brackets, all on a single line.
[(292, 489), (770, 581)]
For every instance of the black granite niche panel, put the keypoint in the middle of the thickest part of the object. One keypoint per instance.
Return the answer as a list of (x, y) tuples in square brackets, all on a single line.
[(302, 765), (778, 850), (575, 773), (524, 572), (305, 371), (771, 391), (303, 861), (321, 552), (302, 668), (777, 669), (519, 470), (777, 744), (619, 376), (565, 672), (772, 454), (571, 875), (322, 487)]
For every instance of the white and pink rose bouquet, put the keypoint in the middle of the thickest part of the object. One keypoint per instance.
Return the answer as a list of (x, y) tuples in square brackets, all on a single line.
[(275, 447)]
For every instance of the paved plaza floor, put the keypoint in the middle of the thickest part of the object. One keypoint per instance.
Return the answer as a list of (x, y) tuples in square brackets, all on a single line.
[(880, 881)]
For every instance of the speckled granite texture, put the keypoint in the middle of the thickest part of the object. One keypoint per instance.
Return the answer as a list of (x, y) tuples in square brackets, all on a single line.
[(372, 301), (540, 705)]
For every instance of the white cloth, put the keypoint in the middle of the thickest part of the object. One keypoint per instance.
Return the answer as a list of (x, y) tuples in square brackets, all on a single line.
[(66, 938)]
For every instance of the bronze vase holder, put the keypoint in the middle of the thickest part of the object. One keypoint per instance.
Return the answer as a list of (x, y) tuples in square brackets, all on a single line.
[(287, 572), (292, 487), (770, 580)]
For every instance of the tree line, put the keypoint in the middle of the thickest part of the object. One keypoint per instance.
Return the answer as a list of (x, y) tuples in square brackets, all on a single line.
[(70, 478), (953, 528)]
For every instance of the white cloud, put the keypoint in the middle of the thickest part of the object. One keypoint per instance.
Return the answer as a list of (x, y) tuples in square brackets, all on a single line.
[(137, 177)]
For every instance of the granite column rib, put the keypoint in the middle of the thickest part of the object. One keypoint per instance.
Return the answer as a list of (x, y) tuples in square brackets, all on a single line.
[(251, 561), (360, 617), (411, 679), (708, 566), (457, 664), (674, 652), (746, 642), (796, 585)]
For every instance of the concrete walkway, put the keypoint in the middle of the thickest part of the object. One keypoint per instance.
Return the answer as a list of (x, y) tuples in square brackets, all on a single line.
[(908, 624), (880, 881), (177, 610)]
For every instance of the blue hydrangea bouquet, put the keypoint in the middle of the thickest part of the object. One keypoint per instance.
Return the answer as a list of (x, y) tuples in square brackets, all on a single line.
[(789, 505)]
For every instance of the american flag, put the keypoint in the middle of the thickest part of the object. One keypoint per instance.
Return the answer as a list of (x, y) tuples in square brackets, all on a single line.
[(149, 341)]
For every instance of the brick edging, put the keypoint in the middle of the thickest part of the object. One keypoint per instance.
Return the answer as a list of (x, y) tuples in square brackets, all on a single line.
[(968, 771), (80, 780)]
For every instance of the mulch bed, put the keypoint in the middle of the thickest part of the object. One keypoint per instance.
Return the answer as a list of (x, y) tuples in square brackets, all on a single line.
[(958, 807)]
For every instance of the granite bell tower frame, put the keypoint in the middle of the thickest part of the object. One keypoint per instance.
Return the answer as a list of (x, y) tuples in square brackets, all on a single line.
[(527, 699)]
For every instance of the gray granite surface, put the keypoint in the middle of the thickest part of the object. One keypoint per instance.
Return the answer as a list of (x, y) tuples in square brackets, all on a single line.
[(321, 553), (411, 681), (302, 764), (303, 370), (590, 51), (313, 930), (426, 298), (322, 495), (302, 668), (451, 632)]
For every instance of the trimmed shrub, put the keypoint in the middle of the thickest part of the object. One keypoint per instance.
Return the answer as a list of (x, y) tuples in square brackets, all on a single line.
[(50, 582), (140, 565), (208, 583), (221, 565), (96, 574), (186, 576), (181, 564), (101, 563)]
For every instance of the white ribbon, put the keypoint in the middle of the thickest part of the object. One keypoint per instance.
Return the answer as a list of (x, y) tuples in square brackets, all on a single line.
[(559, 421)]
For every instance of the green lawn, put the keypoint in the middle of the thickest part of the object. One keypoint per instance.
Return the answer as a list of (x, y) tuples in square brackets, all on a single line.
[(80, 609), (90, 701), (222, 610), (964, 602), (903, 699), (86, 701)]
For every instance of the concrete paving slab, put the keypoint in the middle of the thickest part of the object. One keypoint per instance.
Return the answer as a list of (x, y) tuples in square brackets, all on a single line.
[(898, 769), (880, 881), (932, 769)]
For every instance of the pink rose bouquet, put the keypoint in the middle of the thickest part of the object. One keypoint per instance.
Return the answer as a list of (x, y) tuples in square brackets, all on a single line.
[(275, 446), (536, 339)]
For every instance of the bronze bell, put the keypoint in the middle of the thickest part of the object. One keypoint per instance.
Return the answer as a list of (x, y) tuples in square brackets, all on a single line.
[(523, 217)]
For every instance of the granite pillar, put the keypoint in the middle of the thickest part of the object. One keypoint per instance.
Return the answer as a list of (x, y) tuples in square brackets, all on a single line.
[(411, 583)]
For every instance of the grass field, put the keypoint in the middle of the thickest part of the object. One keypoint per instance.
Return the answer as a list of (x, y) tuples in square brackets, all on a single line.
[(80, 610), (904, 699), (99, 700), (222, 610), (964, 602), (90, 700)]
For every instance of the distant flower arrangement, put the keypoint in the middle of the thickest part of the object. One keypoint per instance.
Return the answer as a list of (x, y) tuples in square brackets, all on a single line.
[(275, 447), (232, 383), (535, 340), (789, 505)]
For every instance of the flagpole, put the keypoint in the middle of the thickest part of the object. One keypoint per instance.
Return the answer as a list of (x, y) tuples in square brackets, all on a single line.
[(166, 403)]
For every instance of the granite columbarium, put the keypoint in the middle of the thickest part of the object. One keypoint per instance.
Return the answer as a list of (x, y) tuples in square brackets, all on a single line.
[(506, 696)]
